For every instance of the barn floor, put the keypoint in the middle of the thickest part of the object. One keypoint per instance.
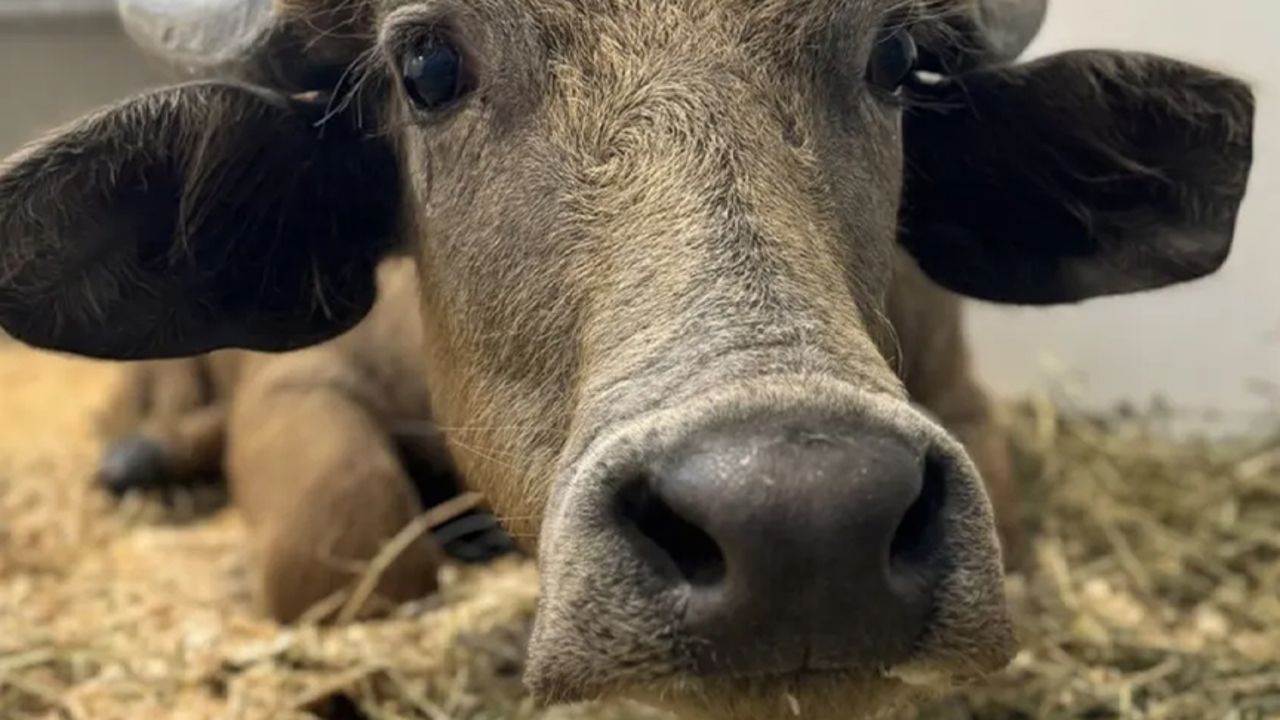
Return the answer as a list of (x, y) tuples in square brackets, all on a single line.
[(1156, 592)]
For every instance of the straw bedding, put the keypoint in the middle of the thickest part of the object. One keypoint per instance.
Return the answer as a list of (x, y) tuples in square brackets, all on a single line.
[(1155, 591)]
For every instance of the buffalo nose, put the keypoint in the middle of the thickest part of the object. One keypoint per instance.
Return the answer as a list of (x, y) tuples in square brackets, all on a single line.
[(794, 544)]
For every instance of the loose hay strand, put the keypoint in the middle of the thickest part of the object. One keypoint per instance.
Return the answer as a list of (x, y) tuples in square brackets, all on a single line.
[(407, 536)]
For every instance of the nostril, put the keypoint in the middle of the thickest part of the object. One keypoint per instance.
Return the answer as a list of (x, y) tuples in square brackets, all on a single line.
[(668, 536), (919, 535)]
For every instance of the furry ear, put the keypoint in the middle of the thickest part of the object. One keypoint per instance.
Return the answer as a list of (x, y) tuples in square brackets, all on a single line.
[(197, 217), (1078, 175)]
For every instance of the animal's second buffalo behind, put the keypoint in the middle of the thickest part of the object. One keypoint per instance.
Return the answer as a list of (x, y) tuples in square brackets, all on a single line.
[(655, 241)]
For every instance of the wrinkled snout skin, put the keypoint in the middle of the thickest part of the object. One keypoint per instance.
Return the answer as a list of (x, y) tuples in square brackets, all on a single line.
[(696, 210)]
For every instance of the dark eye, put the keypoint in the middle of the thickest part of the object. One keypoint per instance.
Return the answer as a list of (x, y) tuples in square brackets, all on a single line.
[(433, 74), (893, 59)]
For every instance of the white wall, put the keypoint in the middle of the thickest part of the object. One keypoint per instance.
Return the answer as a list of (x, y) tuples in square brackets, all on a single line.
[(1203, 344), (55, 66)]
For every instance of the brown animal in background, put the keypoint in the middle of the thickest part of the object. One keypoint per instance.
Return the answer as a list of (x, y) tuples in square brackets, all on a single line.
[(655, 244), (316, 440), (328, 452)]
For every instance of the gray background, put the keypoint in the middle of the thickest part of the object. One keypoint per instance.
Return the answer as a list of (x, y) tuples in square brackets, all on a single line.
[(1206, 345), (58, 59)]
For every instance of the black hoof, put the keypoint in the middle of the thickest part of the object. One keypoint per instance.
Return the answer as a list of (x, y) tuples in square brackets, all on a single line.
[(134, 463), (474, 538)]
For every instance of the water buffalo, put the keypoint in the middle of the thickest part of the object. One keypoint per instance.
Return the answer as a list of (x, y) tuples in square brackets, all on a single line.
[(655, 242), (329, 453)]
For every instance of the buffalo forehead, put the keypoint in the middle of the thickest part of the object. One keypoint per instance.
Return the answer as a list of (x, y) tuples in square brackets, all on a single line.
[(787, 15)]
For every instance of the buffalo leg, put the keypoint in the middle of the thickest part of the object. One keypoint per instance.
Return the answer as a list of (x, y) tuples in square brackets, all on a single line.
[(323, 491), (163, 429)]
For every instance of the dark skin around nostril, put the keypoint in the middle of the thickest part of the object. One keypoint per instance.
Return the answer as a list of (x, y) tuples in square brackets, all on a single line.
[(134, 463)]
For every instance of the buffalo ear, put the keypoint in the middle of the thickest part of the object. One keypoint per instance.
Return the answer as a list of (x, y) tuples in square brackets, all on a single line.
[(197, 217), (1079, 175)]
